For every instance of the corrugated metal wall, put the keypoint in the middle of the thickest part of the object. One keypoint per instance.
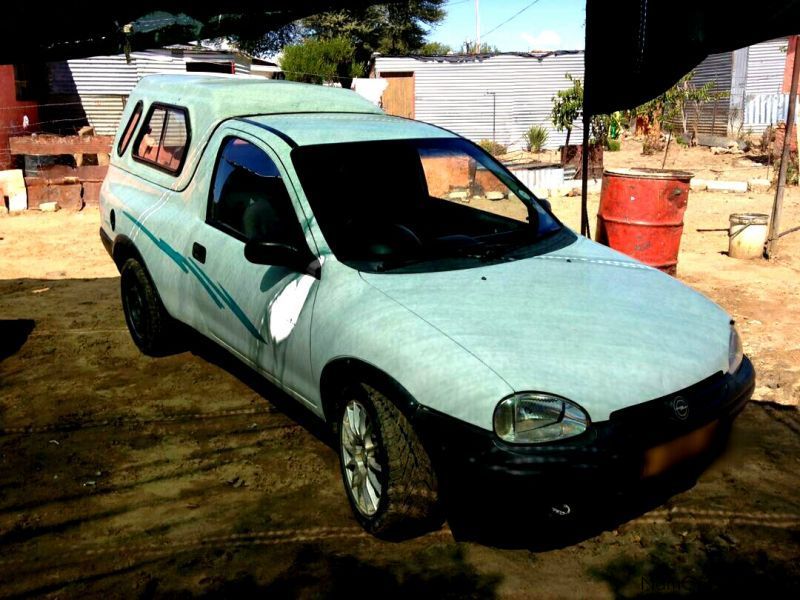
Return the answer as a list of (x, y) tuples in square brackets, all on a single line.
[(456, 95), (738, 86), (103, 83), (713, 116), (763, 110), (103, 112), (765, 65), (764, 103), (100, 75), (155, 63)]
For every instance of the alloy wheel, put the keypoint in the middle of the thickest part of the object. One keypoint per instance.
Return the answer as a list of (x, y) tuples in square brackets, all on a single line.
[(359, 448)]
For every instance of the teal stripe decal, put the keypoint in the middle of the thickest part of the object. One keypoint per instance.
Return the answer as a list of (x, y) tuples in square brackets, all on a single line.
[(216, 291)]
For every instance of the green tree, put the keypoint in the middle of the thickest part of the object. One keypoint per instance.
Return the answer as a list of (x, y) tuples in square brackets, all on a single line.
[(688, 93), (320, 61), (568, 106), (670, 107), (396, 29), (434, 49)]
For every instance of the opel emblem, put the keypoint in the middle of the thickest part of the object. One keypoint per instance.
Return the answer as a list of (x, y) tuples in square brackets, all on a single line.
[(680, 407)]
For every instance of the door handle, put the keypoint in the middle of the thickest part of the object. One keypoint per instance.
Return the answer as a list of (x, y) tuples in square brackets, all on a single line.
[(199, 252)]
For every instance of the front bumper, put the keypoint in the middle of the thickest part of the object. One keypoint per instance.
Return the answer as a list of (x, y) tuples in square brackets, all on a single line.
[(611, 454)]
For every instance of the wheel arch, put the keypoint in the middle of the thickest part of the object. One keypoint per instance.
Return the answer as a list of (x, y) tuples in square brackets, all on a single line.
[(340, 372), (122, 249)]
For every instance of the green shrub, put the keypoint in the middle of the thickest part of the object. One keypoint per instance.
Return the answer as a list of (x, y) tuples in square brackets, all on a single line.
[(321, 61), (613, 145), (493, 148), (652, 144), (536, 137)]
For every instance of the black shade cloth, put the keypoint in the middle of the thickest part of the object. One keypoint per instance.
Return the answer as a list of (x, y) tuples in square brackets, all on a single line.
[(32, 32), (637, 49)]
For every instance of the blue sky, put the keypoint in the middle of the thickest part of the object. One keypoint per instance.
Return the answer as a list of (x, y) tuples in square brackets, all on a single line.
[(547, 25)]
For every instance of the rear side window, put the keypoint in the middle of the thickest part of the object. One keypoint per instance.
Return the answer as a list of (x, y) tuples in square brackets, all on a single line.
[(164, 138), (136, 116)]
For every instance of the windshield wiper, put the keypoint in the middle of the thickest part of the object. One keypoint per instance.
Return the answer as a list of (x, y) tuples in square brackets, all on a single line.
[(481, 251), (488, 251)]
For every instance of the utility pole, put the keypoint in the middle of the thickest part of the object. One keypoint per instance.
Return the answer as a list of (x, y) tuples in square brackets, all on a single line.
[(777, 207), (477, 27)]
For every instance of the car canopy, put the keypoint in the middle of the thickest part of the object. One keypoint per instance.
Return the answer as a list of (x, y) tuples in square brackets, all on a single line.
[(211, 99)]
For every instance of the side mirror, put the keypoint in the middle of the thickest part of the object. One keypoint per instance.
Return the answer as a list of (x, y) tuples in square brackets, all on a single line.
[(282, 255), (545, 204)]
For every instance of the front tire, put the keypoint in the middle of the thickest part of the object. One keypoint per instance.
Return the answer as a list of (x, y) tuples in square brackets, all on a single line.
[(148, 322), (387, 474)]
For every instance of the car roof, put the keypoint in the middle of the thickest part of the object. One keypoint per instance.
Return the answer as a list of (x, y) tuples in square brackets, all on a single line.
[(333, 128), (221, 97)]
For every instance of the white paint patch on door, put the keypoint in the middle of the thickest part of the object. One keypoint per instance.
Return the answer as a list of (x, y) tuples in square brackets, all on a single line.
[(285, 308)]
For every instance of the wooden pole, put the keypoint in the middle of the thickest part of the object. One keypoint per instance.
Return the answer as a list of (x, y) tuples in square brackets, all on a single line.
[(777, 207), (585, 177)]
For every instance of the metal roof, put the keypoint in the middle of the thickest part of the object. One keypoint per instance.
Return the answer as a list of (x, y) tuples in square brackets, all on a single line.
[(466, 58)]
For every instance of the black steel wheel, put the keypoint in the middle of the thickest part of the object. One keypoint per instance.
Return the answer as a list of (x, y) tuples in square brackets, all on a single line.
[(148, 322)]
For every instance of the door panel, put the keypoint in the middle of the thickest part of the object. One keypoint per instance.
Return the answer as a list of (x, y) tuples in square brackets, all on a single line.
[(398, 98), (261, 312)]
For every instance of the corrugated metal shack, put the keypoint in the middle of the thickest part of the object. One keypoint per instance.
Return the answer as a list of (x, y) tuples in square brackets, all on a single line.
[(483, 96), (766, 99), (502, 95), (713, 117), (754, 77), (99, 85)]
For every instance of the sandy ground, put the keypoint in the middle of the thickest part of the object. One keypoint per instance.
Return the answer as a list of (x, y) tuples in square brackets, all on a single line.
[(127, 476)]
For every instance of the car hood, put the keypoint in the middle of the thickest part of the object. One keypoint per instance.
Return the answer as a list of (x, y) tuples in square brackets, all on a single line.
[(584, 322)]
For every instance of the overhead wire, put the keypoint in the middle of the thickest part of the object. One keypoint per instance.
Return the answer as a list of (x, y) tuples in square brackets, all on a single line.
[(511, 18)]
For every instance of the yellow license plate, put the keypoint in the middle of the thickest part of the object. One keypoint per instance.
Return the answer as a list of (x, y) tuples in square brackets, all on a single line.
[(662, 458)]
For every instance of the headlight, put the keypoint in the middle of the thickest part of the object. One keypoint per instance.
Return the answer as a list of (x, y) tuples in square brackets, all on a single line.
[(735, 352), (530, 418)]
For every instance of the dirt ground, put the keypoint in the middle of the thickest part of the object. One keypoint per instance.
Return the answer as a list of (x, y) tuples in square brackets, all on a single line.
[(698, 160), (128, 476)]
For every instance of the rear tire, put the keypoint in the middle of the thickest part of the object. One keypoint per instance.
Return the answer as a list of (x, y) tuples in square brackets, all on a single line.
[(148, 322), (387, 473)]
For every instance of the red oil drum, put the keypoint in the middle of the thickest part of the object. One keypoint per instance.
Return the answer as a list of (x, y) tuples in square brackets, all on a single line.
[(641, 214)]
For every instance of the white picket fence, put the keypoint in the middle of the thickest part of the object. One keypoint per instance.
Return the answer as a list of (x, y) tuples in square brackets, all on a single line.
[(762, 110)]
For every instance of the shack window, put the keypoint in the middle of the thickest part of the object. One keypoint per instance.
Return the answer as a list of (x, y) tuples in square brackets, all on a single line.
[(131, 127), (163, 138)]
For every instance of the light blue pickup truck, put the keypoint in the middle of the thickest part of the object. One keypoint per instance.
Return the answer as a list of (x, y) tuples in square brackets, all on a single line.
[(403, 286)]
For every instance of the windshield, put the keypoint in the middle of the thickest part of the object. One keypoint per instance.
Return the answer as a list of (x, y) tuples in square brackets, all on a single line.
[(430, 203)]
